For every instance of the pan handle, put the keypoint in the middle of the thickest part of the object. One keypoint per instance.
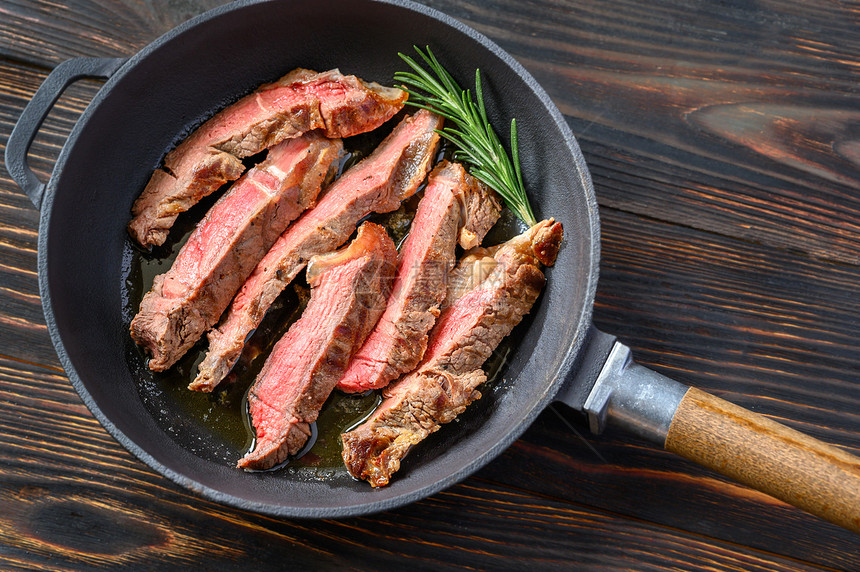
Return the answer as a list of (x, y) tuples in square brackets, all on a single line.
[(37, 110), (745, 446)]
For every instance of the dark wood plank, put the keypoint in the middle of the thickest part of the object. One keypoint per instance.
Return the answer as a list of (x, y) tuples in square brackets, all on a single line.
[(73, 497), (465, 528), (46, 33), (775, 332), (742, 119), (48, 429), (25, 335), (723, 148), (714, 106), (750, 323)]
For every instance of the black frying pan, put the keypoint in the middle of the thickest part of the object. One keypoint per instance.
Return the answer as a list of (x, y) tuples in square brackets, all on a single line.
[(180, 79)]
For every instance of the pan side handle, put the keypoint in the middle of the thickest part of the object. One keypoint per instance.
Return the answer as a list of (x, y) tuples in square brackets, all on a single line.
[(745, 446), (37, 110)]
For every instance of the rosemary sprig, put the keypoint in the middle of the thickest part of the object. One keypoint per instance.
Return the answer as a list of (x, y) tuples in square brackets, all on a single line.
[(477, 144)]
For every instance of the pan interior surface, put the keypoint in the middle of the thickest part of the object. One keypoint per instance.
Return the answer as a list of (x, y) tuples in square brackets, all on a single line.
[(181, 79)]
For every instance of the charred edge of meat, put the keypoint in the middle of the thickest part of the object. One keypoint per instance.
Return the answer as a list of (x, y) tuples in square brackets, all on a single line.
[(154, 213), (547, 242), (463, 338), (374, 454), (480, 208)]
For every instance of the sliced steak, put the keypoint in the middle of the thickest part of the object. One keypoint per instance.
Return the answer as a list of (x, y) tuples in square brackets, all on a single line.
[(348, 292), (446, 380), (235, 234), (378, 183), (299, 102), (456, 207)]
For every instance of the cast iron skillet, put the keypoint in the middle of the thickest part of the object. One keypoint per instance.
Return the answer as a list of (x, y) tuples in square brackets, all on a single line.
[(180, 79), (183, 77)]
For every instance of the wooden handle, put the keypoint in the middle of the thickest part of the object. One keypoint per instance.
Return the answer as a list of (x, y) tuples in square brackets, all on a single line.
[(770, 457)]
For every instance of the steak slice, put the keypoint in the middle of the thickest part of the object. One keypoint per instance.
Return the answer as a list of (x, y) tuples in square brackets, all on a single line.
[(238, 230), (348, 292), (378, 183), (455, 207), (299, 102), (446, 381)]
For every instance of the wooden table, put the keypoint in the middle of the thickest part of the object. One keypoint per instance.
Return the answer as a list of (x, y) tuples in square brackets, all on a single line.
[(724, 142)]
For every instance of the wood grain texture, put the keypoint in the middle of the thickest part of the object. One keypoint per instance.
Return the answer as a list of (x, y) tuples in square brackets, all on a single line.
[(726, 316), (73, 497), (24, 335), (767, 456), (744, 119), (723, 143), (47, 33)]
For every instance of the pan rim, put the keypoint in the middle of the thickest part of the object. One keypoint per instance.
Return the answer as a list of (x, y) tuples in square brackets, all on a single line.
[(550, 387)]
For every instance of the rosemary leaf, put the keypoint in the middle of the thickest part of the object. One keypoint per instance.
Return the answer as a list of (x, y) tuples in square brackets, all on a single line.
[(477, 144)]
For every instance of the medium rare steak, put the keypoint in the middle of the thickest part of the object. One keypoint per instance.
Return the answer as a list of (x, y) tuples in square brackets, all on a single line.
[(446, 380), (348, 292), (222, 251), (299, 102), (378, 183), (456, 207)]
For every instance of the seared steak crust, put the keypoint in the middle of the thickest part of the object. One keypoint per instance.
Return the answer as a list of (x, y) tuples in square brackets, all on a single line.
[(222, 251), (299, 102), (348, 292), (446, 381), (379, 183), (455, 207)]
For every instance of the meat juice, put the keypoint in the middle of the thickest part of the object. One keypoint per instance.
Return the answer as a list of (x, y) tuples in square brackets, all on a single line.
[(216, 426)]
